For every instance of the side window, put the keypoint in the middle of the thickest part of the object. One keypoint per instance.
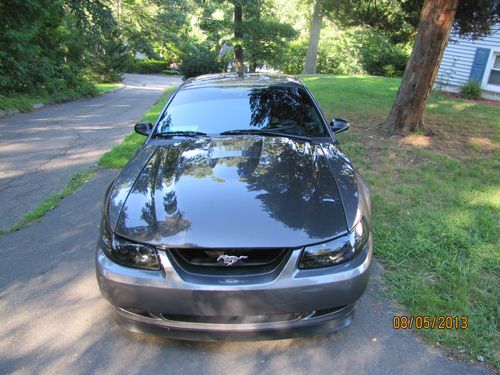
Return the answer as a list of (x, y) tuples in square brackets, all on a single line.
[(494, 78)]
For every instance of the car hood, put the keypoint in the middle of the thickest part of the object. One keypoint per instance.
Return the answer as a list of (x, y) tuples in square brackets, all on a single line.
[(234, 192)]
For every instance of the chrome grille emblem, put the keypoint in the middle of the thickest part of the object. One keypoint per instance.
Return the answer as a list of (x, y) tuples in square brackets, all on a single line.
[(229, 260)]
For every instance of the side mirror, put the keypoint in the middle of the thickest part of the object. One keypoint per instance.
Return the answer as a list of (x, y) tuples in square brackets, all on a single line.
[(143, 128), (339, 125)]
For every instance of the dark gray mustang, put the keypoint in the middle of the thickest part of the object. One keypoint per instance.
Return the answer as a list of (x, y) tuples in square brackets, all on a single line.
[(239, 218)]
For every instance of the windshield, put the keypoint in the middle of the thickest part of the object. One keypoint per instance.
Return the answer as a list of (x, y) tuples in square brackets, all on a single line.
[(215, 110)]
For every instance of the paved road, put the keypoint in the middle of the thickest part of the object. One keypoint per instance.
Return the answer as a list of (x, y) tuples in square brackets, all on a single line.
[(39, 150), (54, 321)]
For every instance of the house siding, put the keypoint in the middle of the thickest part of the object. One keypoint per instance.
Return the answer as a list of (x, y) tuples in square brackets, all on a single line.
[(458, 58)]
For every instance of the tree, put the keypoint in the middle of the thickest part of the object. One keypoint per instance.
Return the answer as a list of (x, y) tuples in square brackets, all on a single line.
[(238, 36), (265, 37), (157, 28), (44, 44), (314, 32), (397, 20), (436, 20), (250, 27)]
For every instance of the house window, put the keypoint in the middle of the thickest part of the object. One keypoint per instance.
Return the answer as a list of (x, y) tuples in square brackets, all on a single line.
[(495, 72)]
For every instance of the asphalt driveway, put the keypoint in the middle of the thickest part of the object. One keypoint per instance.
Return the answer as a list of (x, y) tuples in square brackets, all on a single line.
[(41, 149), (54, 321)]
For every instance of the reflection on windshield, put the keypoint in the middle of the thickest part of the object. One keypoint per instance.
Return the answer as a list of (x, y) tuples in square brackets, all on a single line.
[(286, 110)]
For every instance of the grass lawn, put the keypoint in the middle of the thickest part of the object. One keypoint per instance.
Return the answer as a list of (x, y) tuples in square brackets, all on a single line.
[(436, 201)]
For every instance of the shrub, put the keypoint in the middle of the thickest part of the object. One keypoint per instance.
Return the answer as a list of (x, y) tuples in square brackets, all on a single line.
[(378, 56), (147, 66), (291, 60), (471, 90), (338, 54), (199, 59), (358, 50)]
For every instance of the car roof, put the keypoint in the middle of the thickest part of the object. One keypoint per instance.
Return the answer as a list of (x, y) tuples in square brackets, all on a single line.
[(248, 80)]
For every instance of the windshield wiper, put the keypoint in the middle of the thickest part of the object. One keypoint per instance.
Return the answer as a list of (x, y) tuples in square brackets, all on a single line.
[(187, 133), (264, 132)]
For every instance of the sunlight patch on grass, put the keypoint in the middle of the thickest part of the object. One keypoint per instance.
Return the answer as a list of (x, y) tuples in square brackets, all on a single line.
[(104, 87), (416, 140)]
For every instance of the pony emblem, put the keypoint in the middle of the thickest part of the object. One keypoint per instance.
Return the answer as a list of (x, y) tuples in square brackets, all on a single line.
[(229, 260)]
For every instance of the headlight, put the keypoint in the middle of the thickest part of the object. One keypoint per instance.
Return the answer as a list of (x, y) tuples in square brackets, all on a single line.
[(337, 251), (128, 253)]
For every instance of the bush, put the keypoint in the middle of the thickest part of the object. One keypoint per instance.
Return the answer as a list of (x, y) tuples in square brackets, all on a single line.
[(291, 60), (147, 66), (471, 90), (339, 54), (378, 56), (199, 59), (359, 50)]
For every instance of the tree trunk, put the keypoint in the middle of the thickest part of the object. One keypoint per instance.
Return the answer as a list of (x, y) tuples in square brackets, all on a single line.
[(420, 73), (238, 35), (312, 48)]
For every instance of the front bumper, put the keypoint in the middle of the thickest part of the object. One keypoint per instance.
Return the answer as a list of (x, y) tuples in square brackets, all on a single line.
[(146, 300)]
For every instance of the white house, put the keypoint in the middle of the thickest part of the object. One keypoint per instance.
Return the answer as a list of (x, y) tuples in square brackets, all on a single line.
[(465, 59)]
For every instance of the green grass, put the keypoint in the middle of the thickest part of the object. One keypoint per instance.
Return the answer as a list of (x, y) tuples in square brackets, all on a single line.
[(120, 155), (23, 103), (437, 213), (104, 87), (74, 182), (436, 204)]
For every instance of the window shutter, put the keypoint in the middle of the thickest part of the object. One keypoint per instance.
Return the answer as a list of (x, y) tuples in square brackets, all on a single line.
[(479, 64)]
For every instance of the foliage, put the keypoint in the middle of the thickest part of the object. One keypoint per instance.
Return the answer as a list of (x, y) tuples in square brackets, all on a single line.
[(353, 51), (473, 18), (147, 66), (264, 35), (386, 16), (398, 20), (292, 58), (111, 57), (380, 57), (471, 90), (200, 59), (157, 28), (51, 47)]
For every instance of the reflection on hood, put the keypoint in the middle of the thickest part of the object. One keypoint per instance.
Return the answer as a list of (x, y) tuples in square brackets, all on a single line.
[(235, 192)]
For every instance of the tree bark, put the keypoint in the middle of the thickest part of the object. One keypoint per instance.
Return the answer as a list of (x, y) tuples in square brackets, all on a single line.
[(312, 48), (238, 35), (253, 66), (420, 72)]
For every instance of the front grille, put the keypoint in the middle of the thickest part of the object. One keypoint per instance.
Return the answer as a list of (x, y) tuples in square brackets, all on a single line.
[(211, 261)]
